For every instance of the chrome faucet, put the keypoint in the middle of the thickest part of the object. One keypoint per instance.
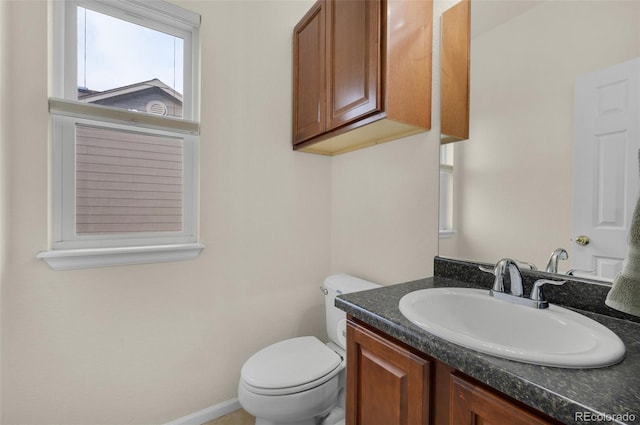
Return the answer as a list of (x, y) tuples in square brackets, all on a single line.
[(558, 254), (516, 291), (500, 271)]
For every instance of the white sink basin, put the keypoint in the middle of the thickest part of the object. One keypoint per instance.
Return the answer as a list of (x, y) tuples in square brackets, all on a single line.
[(551, 337)]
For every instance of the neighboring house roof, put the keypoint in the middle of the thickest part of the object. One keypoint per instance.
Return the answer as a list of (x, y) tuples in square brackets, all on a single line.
[(151, 96), (91, 96)]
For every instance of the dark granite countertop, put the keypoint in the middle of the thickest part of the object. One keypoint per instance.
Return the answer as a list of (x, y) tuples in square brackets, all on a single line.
[(558, 392)]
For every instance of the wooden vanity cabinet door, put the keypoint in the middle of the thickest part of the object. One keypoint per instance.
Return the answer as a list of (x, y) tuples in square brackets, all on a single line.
[(386, 383), (309, 74), (353, 60), (472, 404)]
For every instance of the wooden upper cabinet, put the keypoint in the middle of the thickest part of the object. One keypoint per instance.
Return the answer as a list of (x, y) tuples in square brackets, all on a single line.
[(362, 73), (309, 74), (455, 56), (353, 60)]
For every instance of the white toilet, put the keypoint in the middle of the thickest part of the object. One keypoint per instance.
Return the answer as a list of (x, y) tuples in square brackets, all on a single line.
[(301, 380)]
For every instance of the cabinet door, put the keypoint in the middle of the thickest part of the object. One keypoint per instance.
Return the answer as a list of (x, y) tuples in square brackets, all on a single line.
[(353, 55), (386, 383), (309, 74), (472, 404)]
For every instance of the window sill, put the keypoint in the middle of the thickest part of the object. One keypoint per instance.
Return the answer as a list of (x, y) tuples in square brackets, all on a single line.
[(68, 259)]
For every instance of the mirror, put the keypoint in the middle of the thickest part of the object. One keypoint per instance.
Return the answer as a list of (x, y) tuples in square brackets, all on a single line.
[(513, 178)]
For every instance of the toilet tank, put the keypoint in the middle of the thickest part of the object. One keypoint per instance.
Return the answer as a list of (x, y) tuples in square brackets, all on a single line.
[(336, 319)]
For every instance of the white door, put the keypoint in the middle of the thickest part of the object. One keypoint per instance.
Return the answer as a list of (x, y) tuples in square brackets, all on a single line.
[(606, 179)]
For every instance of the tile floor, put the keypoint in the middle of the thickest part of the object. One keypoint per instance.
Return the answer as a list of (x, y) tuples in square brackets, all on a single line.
[(239, 417)]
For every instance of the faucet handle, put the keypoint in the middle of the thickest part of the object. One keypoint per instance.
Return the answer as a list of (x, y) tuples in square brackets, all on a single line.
[(487, 269), (538, 295), (573, 272), (498, 283)]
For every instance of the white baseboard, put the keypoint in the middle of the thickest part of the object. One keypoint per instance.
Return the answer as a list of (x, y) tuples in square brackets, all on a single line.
[(208, 414)]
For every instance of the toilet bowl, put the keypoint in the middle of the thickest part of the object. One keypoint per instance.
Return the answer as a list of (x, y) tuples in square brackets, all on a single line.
[(301, 380), (291, 382)]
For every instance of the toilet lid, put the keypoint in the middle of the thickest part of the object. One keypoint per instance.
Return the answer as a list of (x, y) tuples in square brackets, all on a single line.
[(290, 363)]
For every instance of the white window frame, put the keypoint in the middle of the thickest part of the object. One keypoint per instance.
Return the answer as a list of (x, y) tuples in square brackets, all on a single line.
[(446, 225), (70, 250)]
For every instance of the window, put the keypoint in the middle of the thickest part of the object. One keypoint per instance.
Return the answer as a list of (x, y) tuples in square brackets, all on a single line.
[(446, 191), (124, 110)]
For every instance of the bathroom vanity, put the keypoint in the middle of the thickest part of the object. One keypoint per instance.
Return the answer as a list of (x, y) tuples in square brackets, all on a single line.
[(399, 373), (392, 383)]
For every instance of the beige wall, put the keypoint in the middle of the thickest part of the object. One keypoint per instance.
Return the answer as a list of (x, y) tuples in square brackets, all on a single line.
[(385, 212), (150, 343), (515, 172)]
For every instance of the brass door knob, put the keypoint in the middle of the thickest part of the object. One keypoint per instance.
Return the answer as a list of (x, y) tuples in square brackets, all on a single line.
[(582, 240)]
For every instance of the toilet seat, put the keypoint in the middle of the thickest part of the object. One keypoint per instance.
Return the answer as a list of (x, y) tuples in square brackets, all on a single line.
[(290, 366)]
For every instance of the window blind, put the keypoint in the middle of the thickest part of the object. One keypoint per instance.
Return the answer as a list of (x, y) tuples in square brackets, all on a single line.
[(127, 181)]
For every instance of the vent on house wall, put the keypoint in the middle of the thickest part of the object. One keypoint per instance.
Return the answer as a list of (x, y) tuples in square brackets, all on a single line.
[(157, 107)]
